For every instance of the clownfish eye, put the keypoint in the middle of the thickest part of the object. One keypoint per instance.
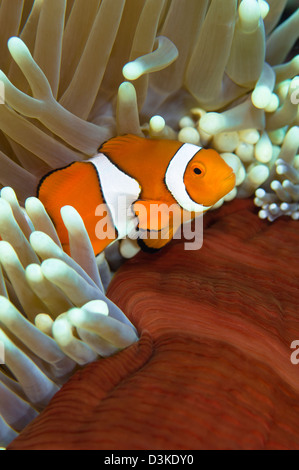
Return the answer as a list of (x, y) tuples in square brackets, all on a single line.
[(198, 169)]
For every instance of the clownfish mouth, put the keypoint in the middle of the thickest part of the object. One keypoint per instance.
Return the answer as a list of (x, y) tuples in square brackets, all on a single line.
[(231, 175), (229, 181)]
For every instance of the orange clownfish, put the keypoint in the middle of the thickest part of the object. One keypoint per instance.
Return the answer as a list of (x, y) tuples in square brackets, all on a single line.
[(128, 177)]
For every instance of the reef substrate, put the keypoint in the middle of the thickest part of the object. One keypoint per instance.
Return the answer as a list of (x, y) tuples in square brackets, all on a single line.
[(213, 367)]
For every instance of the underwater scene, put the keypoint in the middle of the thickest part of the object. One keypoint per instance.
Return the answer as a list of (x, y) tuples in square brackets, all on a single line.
[(149, 225)]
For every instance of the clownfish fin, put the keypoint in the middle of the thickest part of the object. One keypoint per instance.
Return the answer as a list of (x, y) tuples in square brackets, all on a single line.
[(76, 185), (152, 241), (157, 223), (152, 215)]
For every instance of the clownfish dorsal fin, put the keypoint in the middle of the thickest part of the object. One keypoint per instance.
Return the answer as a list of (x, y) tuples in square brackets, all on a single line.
[(119, 143)]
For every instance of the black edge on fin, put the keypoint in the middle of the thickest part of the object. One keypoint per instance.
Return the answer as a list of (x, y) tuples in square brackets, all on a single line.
[(43, 178), (146, 248)]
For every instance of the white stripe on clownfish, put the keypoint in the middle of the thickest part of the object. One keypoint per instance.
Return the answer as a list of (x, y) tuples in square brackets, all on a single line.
[(119, 191), (174, 178)]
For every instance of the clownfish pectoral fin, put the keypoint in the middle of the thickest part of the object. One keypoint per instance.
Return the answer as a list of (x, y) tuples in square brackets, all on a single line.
[(152, 240), (157, 223), (155, 215)]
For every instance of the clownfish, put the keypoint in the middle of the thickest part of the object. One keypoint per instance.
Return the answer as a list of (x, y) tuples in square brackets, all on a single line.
[(127, 177)]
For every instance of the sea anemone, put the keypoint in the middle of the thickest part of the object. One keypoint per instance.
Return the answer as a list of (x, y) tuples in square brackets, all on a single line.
[(54, 315), (220, 60), (250, 112), (212, 368)]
